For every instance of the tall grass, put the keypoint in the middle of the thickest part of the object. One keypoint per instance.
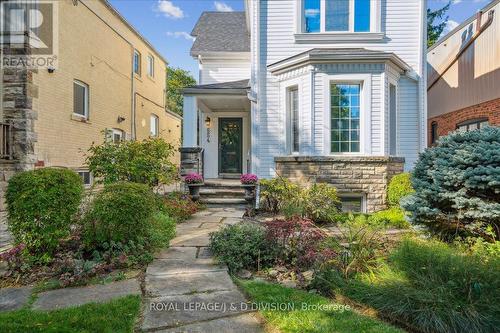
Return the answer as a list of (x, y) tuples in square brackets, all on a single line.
[(433, 287)]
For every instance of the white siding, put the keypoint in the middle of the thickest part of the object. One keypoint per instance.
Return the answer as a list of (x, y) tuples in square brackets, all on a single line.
[(273, 40), (215, 71)]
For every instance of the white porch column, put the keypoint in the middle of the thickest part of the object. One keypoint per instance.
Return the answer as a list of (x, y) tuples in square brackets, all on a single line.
[(189, 123)]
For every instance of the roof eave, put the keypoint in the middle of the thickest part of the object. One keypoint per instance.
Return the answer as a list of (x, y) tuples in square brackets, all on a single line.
[(214, 91)]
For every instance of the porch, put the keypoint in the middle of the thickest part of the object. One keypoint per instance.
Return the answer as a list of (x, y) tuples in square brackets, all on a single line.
[(216, 127)]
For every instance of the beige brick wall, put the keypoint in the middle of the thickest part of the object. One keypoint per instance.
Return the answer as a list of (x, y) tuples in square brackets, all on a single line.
[(96, 47)]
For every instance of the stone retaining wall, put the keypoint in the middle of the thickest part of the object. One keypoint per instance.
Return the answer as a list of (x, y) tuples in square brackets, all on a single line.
[(350, 175)]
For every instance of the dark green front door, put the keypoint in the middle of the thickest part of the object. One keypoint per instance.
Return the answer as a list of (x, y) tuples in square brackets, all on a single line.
[(230, 145)]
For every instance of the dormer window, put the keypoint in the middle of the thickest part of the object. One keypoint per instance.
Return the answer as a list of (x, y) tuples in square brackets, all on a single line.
[(339, 16)]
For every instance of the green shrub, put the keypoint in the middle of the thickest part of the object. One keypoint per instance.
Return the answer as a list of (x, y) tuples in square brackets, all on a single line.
[(162, 230), (121, 212), (276, 192), (241, 246), (399, 187), (321, 203), (146, 161), (393, 217), (40, 206), (433, 287), (457, 185)]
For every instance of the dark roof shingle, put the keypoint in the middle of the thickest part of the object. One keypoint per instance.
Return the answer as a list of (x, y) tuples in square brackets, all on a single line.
[(221, 32)]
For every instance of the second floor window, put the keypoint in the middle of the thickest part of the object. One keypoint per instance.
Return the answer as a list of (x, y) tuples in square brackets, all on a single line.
[(151, 66), (137, 62), (336, 15), (154, 124), (80, 99)]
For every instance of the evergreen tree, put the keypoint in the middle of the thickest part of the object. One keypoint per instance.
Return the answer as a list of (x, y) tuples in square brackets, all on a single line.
[(457, 185), (434, 30)]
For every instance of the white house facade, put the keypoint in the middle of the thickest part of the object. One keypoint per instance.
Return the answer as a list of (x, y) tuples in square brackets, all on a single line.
[(314, 90)]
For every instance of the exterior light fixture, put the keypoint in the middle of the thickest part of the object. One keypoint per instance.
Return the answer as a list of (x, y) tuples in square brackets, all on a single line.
[(208, 122)]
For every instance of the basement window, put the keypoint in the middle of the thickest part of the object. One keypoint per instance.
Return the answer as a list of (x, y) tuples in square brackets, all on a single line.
[(86, 177), (354, 203)]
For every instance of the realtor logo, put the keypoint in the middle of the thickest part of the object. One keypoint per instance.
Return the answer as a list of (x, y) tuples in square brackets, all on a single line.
[(29, 33)]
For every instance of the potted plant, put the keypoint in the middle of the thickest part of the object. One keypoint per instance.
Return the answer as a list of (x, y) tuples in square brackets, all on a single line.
[(249, 182), (194, 181)]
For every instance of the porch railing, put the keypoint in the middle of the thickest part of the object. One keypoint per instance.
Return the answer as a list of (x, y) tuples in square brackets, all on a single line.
[(5, 141)]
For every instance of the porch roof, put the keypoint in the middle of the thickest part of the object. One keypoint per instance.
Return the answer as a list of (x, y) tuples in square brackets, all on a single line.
[(328, 55), (240, 87)]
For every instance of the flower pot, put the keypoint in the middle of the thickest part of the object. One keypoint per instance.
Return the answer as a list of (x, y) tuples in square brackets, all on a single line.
[(249, 192), (194, 191)]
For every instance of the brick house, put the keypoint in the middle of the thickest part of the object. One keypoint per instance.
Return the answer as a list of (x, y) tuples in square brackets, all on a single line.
[(464, 75), (112, 84)]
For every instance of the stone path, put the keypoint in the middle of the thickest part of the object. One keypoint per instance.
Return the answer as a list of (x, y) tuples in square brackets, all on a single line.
[(186, 291)]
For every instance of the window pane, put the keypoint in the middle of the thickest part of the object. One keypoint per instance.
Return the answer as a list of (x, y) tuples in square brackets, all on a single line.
[(294, 114), (80, 95), (352, 204), (311, 15), (362, 15), (337, 15), (345, 122), (154, 126)]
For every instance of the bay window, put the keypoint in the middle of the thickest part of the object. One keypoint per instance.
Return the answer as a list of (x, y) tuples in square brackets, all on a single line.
[(339, 16), (345, 118)]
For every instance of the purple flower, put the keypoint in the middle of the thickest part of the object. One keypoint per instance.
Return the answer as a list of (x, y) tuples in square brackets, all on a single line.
[(249, 179), (193, 178)]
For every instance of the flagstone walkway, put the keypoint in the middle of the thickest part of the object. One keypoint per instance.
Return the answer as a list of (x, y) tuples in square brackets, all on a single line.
[(186, 291)]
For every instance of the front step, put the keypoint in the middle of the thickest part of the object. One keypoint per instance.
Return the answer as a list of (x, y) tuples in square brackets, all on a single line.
[(223, 193)]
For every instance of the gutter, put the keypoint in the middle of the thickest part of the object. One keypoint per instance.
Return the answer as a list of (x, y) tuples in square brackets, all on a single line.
[(479, 30)]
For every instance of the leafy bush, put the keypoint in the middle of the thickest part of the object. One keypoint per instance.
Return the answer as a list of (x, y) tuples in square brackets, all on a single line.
[(297, 242), (457, 184), (320, 203), (162, 230), (393, 217), (432, 287), (146, 162), (274, 193), (178, 206), (241, 246), (121, 213), (399, 187), (40, 206)]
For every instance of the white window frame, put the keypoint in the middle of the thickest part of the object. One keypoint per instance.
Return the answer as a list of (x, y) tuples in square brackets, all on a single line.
[(117, 131), (151, 66), (157, 125), (285, 87), (86, 100), (389, 131), (138, 64), (289, 113), (375, 19), (364, 80), (361, 196), (91, 177)]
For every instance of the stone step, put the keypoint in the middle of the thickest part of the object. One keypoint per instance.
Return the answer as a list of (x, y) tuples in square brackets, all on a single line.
[(222, 193), (223, 201)]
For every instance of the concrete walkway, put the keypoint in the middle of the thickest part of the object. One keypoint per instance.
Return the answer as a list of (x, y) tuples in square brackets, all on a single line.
[(186, 291)]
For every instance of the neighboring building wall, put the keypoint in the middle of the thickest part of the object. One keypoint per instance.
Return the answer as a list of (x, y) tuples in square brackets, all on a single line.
[(470, 87), (273, 40), (448, 122), (64, 139), (367, 176), (223, 70)]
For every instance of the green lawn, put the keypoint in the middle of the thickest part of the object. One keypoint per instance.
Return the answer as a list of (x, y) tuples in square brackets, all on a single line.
[(116, 316), (297, 319)]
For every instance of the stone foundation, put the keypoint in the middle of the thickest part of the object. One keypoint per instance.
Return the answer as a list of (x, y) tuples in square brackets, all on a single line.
[(349, 174)]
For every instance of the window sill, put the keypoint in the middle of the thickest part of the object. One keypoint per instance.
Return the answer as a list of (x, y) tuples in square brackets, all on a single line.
[(325, 37), (79, 119)]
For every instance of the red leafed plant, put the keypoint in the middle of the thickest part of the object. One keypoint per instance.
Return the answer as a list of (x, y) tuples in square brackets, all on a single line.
[(298, 242)]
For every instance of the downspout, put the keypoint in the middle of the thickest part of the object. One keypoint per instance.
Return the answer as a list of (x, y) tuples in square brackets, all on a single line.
[(479, 30), (132, 87)]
